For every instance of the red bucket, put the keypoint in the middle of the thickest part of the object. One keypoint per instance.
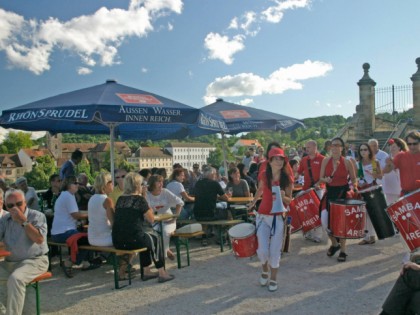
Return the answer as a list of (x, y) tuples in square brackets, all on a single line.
[(347, 218), (243, 240), (306, 205), (405, 213)]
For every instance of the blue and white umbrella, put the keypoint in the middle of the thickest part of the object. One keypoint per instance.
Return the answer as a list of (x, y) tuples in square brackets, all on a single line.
[(108, 108)]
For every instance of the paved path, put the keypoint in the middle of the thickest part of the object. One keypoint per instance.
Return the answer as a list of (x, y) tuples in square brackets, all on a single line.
[(217, 283)]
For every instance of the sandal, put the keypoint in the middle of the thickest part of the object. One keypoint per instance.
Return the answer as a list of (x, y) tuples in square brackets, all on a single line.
[(264, 280), (272, 286), (342, 257), (332, 250), (148, 277)]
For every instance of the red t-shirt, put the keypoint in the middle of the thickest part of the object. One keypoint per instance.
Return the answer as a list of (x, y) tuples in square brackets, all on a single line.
[(267, 198), (409, 166), (315, 167), (340, 177)]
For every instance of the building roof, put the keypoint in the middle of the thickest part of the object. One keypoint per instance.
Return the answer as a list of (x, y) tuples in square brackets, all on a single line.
[(248, 142), (34, 153), (84, 147), (105, 146), (12, 159), (189, 145), (153, 152)]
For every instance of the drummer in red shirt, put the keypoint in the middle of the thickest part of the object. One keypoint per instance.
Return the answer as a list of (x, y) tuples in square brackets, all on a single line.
[(310, 167), (408, 163), (335, 172)]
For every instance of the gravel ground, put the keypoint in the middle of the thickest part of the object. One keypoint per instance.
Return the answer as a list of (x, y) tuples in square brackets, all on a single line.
[(218, 283)]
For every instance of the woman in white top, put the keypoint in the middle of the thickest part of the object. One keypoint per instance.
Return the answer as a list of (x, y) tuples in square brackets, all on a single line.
[(368, 170), (161, 200), (391, 184), (177, 188), (101, 212), (66, 215)]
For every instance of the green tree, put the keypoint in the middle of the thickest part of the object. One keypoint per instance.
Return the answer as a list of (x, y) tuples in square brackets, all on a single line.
[(85, 167), (215, 157), (15, 141), (41, 172)]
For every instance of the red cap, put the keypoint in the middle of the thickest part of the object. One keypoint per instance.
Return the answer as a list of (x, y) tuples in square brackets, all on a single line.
[(276, 152)]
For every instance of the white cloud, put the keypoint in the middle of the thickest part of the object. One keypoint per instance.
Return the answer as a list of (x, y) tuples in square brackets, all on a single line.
[(246, 101), (249, 24), (274, 14), (170, 27), (95, 38), (234, 24), (222, 48), (84, 71), (279, 81), (144, 70)]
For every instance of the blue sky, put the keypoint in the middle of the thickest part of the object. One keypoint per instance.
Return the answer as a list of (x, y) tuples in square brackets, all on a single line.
[(300, 58)]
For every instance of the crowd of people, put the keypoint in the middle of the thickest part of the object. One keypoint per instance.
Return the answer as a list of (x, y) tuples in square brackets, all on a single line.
[(121, 212)]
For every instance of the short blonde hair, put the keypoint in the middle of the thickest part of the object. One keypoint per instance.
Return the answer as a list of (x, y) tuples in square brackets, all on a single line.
[(101, 181), (132, 183)]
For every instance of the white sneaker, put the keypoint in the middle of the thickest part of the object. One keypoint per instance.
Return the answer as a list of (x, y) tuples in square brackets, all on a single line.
[(272, 286), (264, 281)]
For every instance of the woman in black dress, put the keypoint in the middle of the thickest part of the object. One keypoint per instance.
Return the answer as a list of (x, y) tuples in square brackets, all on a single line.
[(132, 216)]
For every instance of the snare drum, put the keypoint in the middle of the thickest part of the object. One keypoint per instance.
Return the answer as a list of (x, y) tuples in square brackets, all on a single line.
[(375, 206), (347, 218), (306, 205), (244, 240), (405, 213)]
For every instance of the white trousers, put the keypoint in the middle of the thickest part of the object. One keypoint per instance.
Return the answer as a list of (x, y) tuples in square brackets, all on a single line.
[(18, 275), (168, 229), (269, 241)]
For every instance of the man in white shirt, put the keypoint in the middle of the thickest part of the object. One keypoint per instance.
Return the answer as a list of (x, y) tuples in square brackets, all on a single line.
[(380, 155), (31, 196)]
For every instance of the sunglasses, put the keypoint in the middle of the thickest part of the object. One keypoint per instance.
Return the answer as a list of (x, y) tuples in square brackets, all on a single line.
[(118, 177), (17, 204), (336, 145), (412, 143), (76, 183)]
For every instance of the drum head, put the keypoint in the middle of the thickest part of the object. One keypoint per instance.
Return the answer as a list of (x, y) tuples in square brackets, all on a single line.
[(371, 188), (241, 230), (351, 202)]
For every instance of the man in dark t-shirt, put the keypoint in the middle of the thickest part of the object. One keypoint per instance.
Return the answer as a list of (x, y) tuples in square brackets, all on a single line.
[(207, 192)]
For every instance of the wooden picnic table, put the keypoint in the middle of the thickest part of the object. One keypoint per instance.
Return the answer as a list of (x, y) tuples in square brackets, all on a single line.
[(240, 200)]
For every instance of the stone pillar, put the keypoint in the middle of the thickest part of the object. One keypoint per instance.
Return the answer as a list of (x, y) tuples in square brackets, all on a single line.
[(54, 144), (366, 108), (416, 94)]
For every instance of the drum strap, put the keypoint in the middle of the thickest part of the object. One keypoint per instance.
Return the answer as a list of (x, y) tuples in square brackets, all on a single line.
[(310, 172)]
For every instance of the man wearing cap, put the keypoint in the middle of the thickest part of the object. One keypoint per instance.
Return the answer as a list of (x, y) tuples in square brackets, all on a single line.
[(408, 163), (24, 232), (30, 193), (68, 168)]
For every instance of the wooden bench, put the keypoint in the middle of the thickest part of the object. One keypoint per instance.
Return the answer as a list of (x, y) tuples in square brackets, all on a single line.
[(183, 239), (222, 226), (50, 244), (115, 255), (35, 284), (113, 258)]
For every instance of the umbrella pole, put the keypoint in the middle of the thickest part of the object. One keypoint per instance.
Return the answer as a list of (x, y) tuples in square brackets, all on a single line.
[(111, 136), (224, 155)]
